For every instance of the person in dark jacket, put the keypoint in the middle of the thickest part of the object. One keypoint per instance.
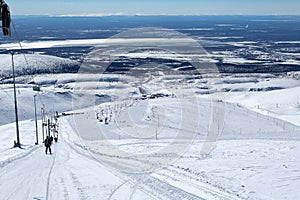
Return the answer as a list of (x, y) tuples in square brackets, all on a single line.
[(48, 143)]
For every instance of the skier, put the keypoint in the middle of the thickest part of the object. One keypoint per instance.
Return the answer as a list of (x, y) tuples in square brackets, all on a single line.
[(56, 136), (48, 144)]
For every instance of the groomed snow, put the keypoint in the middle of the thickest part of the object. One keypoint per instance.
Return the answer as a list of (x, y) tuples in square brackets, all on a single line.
[(255, 156)]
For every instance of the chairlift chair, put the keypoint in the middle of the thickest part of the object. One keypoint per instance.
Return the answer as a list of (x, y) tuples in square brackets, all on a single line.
[(5, 18)]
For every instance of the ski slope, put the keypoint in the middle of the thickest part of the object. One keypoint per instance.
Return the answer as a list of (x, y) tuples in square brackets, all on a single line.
[(254, 157), (72, 173), (257, 163)]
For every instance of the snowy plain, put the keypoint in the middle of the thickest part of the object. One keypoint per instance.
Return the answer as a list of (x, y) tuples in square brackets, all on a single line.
[(254, 154)]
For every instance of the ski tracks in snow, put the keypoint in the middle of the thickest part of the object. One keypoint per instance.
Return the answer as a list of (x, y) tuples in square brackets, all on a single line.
[(73, 173), (77, 184), (24, 178), (49, 176), (156, 188)]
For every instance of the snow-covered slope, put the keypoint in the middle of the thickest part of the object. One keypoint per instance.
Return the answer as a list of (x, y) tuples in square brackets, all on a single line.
[(26, 64), (255, 156), (279, 97), (258, 162)]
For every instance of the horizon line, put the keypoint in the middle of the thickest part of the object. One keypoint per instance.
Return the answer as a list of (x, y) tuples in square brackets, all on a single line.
[(151, 15)]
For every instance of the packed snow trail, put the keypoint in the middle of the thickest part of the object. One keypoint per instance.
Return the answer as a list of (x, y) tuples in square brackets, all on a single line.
[(24, 178), (71, 173), (137, 186), (65, 174)]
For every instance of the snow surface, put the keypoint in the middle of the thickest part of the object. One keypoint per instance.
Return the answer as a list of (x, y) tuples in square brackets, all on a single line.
[(84, 42), (33, 64), (145, 151), (255, 157)]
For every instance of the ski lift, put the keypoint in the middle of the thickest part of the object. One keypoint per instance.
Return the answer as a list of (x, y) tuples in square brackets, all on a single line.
[(5, 18)]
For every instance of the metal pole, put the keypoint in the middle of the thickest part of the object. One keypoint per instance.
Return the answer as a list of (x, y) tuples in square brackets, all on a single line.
[(44, 118), (46, 127), (17, 144), (49, 127), (36, 126), (43, 122)]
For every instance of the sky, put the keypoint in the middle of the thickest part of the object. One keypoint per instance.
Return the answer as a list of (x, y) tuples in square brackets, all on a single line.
[(154, 7)]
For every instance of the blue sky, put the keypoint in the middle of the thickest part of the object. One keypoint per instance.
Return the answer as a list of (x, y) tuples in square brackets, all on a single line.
[(154, 7)]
